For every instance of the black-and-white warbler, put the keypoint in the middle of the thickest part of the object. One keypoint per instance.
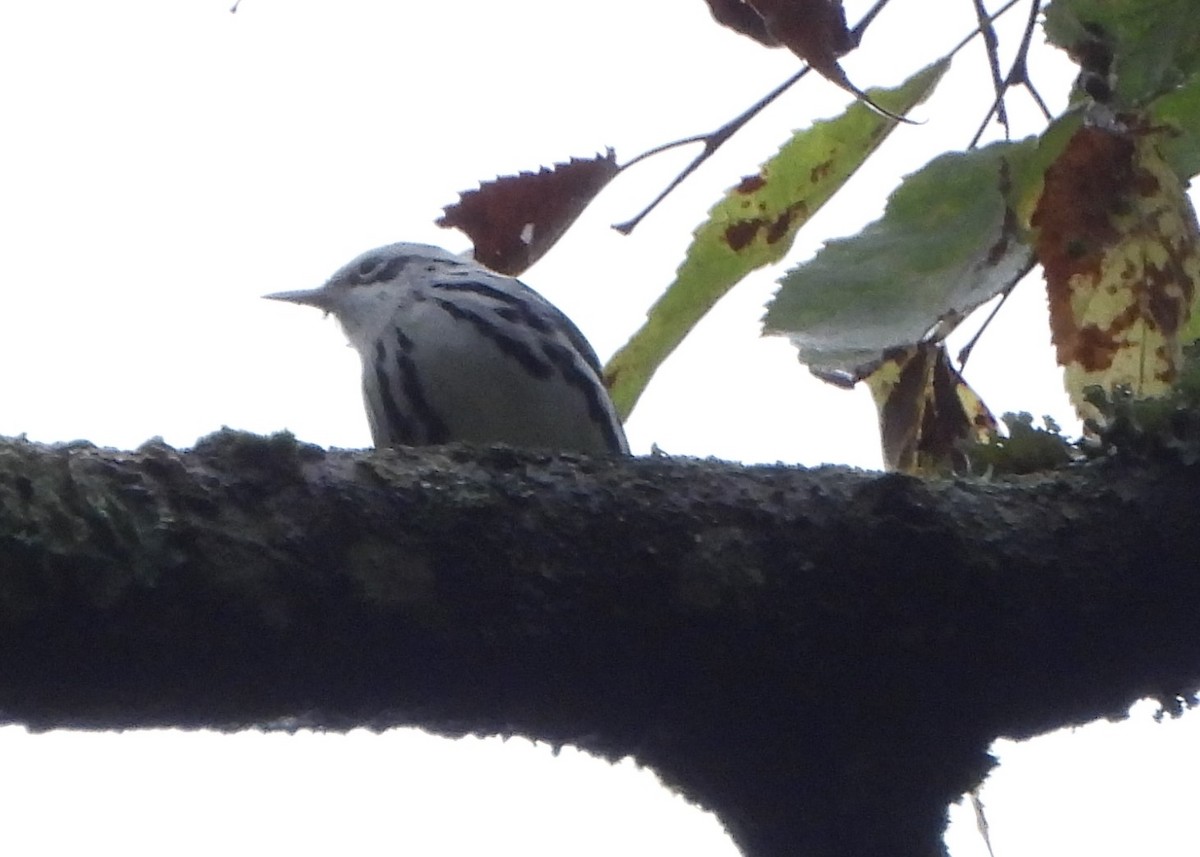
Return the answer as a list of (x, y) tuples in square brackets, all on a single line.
[(454, 352)]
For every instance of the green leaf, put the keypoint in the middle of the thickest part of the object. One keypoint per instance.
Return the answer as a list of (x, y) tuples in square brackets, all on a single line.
[(1154, 44), (756, 223), (1180, 109), (947, 242)]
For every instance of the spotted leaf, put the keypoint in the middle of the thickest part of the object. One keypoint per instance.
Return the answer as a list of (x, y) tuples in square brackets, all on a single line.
[(755, 225), (1118, 242), (927, 412)]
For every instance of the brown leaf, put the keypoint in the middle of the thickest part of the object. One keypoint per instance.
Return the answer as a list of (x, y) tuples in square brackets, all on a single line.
[(738, 16), (1084, 189), (1119, 245), (926, 410), (514, 220), (814, 30)]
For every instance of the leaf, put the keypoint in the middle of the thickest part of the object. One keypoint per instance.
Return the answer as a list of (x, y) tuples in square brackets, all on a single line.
[(1179, 110), (1120, 248), (814, 30), (947, 242), (1028, 173), (514, 220), (927, 412), (1152, 46), (742, 18), (755, 225)]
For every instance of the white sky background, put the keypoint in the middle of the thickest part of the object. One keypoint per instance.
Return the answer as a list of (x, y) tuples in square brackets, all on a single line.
[(164, 164)]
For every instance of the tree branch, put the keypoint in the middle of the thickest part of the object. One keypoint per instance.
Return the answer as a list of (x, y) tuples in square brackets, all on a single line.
[(821, 656)]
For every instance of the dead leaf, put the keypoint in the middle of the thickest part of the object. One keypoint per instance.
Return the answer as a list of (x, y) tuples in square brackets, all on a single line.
[(514, 220), (926, 410), (742, 18), (1118, 242), (814, 30)]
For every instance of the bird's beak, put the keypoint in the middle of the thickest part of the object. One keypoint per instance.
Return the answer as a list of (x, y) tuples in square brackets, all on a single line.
[(309, 297)]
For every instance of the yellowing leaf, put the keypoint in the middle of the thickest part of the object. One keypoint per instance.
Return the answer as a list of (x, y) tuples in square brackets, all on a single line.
[(1119, 244), (926, 410), (755, 225)]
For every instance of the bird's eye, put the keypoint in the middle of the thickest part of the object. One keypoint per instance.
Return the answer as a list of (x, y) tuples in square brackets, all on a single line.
[(377, 268), (366, 271)]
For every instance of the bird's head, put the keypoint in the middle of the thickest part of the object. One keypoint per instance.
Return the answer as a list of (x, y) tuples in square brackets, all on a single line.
[(365, 293)]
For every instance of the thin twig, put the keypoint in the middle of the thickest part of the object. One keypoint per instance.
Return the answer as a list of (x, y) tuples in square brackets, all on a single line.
[(1037, 99), (970, 37), (666, 147), (1023, 55), (981, 821), (861, 27), (964, 353), (844, 82), (991, 44), (1018, 75), (712, 142), (717, 138)]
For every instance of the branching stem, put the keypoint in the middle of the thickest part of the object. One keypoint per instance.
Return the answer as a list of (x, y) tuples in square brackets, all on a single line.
[(715, 139), (1018, 75)]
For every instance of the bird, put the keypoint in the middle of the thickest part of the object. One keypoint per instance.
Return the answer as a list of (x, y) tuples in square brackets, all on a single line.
[(454, 352)]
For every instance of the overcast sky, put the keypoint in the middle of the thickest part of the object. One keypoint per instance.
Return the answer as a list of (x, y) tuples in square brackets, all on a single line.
[(167, 163)]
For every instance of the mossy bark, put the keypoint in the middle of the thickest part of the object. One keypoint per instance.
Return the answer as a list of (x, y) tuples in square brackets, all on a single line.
[(820, 656)]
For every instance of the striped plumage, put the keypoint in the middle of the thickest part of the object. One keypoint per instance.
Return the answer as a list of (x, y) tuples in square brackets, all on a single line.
[(454, 352)]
